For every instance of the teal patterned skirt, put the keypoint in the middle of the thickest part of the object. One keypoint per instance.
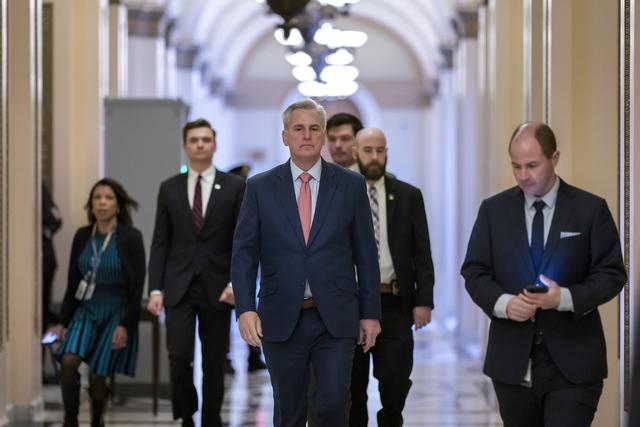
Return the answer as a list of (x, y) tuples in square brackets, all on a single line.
[(91, 330)]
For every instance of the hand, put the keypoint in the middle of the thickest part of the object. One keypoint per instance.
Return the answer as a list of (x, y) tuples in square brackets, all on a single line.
[(519, 309), (548, 300), (250, 328), (155, 304), (58, 330), (421, 317), (369, 330), (119, 338), (227, 296)]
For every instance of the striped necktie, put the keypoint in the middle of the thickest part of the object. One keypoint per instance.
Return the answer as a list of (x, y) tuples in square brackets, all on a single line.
[(197, 204)]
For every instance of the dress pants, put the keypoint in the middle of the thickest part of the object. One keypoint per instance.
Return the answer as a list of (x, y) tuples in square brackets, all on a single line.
[(213, 327), (392, 364), (289, 364), (551, 401)]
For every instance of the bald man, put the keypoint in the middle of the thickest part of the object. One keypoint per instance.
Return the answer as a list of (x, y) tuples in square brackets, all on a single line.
[(541, 258), (406, 288)]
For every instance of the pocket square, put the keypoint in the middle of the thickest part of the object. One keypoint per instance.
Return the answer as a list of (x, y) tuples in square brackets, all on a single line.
[(565, 234)]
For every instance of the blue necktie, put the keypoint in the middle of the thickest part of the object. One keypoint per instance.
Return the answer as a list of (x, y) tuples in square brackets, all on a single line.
[(537, 236)]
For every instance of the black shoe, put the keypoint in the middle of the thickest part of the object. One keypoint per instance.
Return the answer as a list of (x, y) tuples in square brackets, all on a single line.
[(255, 364), (228, 367)]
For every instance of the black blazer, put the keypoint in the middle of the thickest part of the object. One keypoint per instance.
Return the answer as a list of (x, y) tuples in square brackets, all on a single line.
[(179, 251), (131, 252), (582, 253), (408, 236)]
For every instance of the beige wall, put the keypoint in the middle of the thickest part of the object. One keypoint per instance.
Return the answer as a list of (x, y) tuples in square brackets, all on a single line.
[(586, 33), (23, 175), (582, 110), (79, 87)]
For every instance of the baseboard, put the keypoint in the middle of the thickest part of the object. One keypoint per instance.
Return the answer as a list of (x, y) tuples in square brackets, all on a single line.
[(25, 413)]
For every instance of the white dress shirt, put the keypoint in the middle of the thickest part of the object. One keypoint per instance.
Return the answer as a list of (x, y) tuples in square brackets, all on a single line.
[(206, 185), (387, 273)]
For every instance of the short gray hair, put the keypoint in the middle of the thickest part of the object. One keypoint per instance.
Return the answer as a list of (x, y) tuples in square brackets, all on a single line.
[(305, 104)]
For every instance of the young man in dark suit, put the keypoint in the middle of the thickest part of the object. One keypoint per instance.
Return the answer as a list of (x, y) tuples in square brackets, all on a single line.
[(307, 223), (406, 288), (546, 350), (189, 271)]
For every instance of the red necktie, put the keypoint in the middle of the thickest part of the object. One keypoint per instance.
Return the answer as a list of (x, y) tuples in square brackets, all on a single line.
[(197, 204), (304, 205)]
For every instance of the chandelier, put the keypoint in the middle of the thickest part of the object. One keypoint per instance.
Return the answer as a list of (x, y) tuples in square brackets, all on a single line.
[(320, 54)]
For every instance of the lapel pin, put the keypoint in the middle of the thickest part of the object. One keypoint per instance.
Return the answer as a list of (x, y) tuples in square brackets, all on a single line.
[(217, 186), (391, 197)]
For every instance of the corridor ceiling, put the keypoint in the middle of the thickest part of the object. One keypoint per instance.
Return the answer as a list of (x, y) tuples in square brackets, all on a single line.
[(227, 31)]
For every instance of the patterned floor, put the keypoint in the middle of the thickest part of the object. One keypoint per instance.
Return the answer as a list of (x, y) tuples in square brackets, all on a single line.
[(448, 390)]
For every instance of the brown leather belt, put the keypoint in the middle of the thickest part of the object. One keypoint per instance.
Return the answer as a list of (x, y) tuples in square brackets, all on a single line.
[(386, 288), (308, 303)]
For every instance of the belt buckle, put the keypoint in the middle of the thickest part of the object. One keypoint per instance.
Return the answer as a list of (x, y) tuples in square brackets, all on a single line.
[(395, 289)]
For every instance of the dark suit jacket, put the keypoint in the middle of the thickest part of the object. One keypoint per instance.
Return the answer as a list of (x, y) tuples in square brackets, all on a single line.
[(131, 252), (408, 235), (589, 265), (179, 251), (341, 236)]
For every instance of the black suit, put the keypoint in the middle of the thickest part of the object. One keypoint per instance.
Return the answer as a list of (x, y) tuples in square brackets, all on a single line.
[(408, 237), (582, 253), (192, 269)]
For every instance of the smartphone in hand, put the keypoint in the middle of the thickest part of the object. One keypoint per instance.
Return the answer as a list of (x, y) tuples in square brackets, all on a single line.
[(537, 289), (49, 338)]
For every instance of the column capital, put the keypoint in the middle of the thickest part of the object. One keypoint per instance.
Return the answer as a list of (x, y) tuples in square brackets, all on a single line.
[(146, 22), (447, 54), (186, 55), (466, 23)]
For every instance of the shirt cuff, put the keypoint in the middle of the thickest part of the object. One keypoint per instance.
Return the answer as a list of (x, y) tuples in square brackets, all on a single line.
[(156, 292), (500, 309), (566, 300), (229, 285)]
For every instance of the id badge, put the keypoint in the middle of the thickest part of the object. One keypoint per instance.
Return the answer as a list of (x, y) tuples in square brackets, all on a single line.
[(89, 293), (82, 289)]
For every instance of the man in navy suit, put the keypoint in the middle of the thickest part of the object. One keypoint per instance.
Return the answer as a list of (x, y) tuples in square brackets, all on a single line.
[(307, 223), (546, 351), (189, 271)]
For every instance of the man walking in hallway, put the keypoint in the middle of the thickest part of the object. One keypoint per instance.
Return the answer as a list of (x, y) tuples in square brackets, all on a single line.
[(341, 135), (189, 271), (407, 279), (542, 257), (307, 223)]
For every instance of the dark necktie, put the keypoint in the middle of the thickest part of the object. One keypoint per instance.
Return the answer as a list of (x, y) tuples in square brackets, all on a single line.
[(197, 204), (537, 235)]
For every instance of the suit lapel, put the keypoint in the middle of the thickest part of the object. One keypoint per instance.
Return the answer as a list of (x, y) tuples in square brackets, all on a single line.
[(520, 237), (215, 188), (561, 216), (390, 189), (286, 195), (184, 197), (325, 194)]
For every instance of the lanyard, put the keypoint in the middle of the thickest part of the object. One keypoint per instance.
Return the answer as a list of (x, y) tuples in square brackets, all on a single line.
[(97, 256)]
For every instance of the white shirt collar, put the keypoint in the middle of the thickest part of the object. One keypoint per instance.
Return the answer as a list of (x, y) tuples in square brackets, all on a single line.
[(379, 184), (549, 199), (315, 171), (208, 175)]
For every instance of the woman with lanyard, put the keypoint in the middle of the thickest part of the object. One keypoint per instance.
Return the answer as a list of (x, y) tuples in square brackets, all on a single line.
[(101, 306)]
